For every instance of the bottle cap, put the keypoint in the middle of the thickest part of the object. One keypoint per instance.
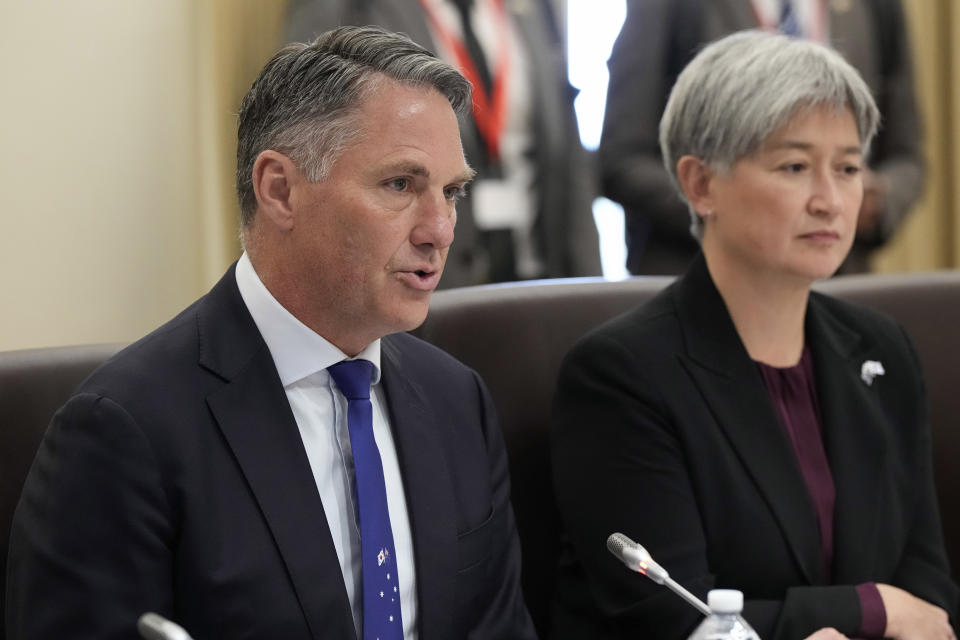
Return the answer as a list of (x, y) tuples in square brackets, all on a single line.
[(725, 601)]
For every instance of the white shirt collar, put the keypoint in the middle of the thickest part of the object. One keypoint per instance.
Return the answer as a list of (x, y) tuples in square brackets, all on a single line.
[(297, 350)]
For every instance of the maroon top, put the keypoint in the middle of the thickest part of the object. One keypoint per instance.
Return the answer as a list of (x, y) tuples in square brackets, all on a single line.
[(794, 395)]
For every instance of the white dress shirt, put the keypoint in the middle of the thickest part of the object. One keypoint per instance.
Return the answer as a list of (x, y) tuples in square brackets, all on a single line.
[(320, 409)]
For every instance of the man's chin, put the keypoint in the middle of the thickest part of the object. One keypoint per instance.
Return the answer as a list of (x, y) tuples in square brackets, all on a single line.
[(410, 316)]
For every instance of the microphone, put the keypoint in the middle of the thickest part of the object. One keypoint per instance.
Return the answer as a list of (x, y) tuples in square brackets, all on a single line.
[(153, 626), (638, 559)]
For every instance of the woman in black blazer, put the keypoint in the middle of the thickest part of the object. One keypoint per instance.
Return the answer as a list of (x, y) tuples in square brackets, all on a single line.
[(749, 433)]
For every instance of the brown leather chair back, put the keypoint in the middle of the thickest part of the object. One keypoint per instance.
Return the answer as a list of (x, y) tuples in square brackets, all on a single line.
[(34, 383), (515, 336)]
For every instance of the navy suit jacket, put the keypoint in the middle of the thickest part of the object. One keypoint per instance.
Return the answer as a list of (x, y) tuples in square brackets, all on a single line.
[(664, 430), (175, 481)]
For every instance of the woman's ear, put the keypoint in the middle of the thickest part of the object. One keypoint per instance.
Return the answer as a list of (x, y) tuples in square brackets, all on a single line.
[(273, 176), (695, 176)]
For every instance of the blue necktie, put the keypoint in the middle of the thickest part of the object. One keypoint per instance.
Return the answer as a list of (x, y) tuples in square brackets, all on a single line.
[(789, 25), (381, 589)]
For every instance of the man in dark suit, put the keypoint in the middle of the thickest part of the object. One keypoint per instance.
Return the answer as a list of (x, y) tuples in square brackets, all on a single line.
[(223, 471), (529, 212), (659, 37)]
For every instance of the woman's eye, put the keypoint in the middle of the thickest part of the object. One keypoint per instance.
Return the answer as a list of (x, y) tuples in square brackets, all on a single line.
[(851, 169), (794, 167)]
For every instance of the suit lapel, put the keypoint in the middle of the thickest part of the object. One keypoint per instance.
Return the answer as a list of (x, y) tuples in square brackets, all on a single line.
[(254, 416), (737, 396), (851, 417), (430, 499)]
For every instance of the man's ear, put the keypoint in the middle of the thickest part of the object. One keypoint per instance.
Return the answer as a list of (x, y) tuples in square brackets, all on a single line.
[(695, 176), (273, 177)]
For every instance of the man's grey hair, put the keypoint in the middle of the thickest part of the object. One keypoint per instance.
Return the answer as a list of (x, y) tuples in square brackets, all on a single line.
[(306, 99), (741, 89)]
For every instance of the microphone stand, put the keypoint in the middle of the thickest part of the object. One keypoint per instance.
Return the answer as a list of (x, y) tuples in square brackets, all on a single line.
[(638, 559)]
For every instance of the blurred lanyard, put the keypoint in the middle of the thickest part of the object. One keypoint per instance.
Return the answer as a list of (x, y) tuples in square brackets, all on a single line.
[(489, 114), (817, 26)]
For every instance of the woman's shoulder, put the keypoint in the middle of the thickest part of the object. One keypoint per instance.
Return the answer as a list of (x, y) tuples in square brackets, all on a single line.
[(641, 336), (645, 320), (853, 328), (858, 317)]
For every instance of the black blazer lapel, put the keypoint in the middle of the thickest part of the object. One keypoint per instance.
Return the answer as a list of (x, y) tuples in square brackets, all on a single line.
[(734, 390), (430, 499), (851, 417), (254, 416)]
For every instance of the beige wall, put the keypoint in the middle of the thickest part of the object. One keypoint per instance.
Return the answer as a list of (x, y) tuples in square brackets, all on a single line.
[(925, 241), (116, 135), (98, 169), (116, 143)]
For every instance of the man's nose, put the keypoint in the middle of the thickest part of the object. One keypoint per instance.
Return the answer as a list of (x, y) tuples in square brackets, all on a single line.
[(436, 219)]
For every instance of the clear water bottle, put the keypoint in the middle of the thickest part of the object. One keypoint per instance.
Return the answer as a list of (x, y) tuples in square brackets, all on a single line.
[(724, 621)]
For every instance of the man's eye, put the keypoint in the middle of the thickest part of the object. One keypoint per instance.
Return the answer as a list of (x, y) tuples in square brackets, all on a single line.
[(399, 184), (455, 193)]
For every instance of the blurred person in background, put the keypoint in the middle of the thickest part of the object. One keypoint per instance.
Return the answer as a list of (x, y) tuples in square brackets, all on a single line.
[(659, 37), (528, 213)]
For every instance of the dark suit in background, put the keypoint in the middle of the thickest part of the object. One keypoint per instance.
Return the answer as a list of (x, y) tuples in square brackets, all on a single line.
[(659, 37), (564, 184), (664, 431)]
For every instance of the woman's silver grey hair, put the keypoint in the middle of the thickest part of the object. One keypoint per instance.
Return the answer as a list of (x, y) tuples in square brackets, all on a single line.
[(742, 88), (306, 99)]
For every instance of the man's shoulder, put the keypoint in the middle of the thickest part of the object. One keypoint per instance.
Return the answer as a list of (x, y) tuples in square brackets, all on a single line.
[(148, 364), (215, 327), (417, 355)]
